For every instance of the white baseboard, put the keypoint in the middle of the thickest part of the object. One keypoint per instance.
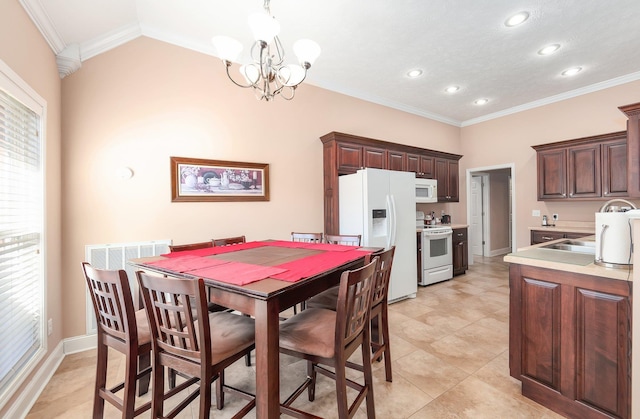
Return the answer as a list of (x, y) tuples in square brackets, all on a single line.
[(80, 343), (23, 404), (27, 398), (498, 252)]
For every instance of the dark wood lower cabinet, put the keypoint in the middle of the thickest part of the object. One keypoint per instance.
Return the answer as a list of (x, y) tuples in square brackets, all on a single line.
[(460, 255), (570, 341)]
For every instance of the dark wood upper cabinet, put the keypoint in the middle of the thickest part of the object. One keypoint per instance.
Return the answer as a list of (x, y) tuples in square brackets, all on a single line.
[(552, 174), (345, 154), (614, 168), (397, 160), (375, 158), (349, 158), (446, 173), (633, 149), (421, 165), (583, 167), (589, 168)]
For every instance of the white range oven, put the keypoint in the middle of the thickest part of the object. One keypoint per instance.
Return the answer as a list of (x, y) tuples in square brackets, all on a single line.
[(437, 258)]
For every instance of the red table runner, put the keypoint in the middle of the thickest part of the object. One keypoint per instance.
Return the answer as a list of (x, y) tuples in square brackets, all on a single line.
[(237, 273), (313, 265), (196, 263), (186, 263)]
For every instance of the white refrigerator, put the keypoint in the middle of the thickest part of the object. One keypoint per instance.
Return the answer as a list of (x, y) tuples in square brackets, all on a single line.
[(380, 205)]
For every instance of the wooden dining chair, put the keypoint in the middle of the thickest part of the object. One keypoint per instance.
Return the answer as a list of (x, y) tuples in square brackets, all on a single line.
[(200, 349), (124, 329), (344, 239), (328, 338), (212, 307), (306, 237), (380, 344), (189, 246), (229, 241)]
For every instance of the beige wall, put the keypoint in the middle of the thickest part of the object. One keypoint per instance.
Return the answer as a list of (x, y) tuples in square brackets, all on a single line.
[(509, 139), (145, 101), (23, 49)]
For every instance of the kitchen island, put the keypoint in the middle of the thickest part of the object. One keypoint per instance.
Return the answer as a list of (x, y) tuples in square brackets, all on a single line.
[(570, 332)]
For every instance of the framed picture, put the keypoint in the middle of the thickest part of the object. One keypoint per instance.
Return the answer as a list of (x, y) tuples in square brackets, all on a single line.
[(198, 180)]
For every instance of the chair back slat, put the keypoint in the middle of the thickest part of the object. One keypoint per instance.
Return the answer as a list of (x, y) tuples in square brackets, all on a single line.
[(354, 298), (344, 239), (229, 241), (306, 237), (168, 302), (190, 246), (382, 276), (112, 302)]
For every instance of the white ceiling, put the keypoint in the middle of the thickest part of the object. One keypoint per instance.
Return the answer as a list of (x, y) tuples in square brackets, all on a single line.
[(368, 46)]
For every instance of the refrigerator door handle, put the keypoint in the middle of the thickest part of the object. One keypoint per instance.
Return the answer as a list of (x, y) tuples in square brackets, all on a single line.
[(394, 223), (390, 221)]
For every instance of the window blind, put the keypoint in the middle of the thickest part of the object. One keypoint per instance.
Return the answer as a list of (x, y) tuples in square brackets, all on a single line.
[(21, 215)]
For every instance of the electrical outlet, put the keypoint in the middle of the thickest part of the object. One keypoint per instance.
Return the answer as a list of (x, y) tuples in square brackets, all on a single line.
[(555, 217), (535, 213), (49, 327)]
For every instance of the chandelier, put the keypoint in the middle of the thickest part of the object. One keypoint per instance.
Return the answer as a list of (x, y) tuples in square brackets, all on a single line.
[(267, 74)]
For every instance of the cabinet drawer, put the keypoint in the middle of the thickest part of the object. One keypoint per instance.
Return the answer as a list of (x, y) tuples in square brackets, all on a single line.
[(459, 234), (545, 236)]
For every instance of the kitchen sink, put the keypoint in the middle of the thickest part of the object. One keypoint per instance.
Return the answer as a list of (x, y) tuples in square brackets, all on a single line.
[(574, 246)]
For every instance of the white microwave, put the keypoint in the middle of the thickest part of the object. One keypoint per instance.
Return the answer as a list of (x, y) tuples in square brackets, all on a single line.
[(426, 190)]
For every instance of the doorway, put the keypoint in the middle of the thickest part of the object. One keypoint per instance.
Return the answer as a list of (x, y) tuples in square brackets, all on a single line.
[(490, 207)]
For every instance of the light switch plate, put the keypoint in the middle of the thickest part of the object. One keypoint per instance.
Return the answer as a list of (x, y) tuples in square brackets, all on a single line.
[(535, 213)]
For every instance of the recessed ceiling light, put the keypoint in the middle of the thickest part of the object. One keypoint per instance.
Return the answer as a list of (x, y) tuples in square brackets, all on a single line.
[(516, 19), (414, 73), (549, 49), (481, 101), (571, 71), (452, 89)]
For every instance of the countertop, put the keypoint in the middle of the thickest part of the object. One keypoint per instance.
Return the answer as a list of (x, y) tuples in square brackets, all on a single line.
[(563, 260), (569, 227)]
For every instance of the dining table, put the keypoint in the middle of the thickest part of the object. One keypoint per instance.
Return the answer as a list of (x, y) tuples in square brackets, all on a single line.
[(262, 279)]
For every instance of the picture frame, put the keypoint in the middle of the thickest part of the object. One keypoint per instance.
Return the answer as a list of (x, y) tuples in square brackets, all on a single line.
[(202, 180)]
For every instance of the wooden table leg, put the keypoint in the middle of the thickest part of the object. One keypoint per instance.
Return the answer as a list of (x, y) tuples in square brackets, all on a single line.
[(267, 359)]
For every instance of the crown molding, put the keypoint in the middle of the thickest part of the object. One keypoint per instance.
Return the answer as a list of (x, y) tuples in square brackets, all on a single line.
[(109, 41), (69, 60), (42, 21), (557, 98)]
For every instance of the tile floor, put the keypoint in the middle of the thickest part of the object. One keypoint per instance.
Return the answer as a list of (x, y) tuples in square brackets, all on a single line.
[(450, 360)]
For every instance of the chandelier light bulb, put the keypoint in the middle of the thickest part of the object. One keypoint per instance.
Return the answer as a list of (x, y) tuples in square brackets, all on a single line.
[(264, 27), (291, 75), (228, 48), (306, 50)]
